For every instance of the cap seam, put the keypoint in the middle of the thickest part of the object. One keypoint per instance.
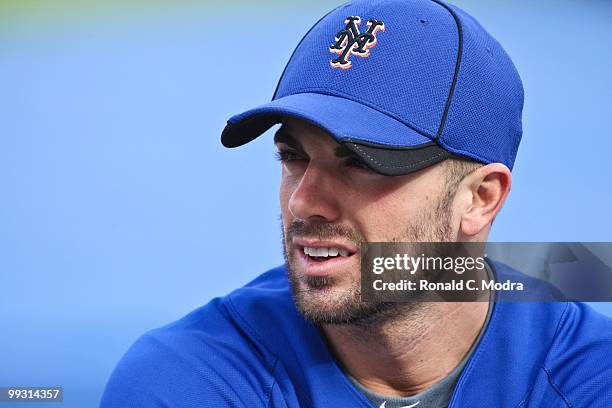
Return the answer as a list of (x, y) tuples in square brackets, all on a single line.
[(386, 146), (323, 91), (396, 167), (451, 92)]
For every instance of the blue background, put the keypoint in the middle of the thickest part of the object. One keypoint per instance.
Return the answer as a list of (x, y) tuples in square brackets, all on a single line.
[(120, 211)]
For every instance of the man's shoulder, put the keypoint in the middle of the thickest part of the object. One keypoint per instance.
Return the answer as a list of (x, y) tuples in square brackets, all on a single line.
[(232, 320), (578, 363), (540, 353), (580, 339), (196, 357)]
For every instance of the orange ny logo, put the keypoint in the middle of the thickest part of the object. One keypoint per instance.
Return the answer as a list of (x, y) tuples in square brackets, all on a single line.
[(350, 41)]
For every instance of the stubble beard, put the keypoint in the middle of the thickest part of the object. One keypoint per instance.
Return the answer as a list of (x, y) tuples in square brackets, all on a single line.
[(321, 300)]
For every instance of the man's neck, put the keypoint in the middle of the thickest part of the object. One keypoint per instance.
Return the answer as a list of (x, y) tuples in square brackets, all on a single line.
[(410, 350)]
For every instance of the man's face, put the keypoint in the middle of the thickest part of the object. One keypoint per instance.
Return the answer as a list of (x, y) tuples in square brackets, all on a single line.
[(331, 203)]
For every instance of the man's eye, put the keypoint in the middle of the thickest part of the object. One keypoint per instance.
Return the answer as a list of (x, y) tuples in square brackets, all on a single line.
[(287, 156)]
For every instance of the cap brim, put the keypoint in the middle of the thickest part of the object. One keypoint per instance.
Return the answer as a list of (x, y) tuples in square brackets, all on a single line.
[(385, 144)]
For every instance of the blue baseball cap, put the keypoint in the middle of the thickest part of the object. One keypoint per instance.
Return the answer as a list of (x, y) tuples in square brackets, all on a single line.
[(404, 84)]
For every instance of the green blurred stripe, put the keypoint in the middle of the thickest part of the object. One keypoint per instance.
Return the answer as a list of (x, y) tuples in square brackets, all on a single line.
[(69, 6), (18, 17), (30, 13)]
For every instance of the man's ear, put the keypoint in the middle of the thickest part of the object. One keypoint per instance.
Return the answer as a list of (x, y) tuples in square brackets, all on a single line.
[(487, 189)]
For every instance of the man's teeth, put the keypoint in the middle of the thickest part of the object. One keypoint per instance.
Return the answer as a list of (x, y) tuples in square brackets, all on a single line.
[(325, 252)]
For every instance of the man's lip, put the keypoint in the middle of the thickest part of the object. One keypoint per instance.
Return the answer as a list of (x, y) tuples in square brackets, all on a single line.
[(330, 266), (302, 242)]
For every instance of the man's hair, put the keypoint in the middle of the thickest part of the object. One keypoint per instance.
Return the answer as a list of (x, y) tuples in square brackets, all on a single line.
[(456, 169)]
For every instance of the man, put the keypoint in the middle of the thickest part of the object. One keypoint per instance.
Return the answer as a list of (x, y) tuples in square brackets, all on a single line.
[(401, 121)]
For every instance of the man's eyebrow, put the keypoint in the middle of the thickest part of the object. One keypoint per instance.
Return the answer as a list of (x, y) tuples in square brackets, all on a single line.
[(343, 151), (283, 136)]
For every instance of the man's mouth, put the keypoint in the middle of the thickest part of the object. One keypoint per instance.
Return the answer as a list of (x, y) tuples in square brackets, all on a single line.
[(322, 258), (322, 254)]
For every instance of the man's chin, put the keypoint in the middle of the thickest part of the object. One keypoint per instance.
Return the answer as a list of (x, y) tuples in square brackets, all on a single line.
[(327, 301)]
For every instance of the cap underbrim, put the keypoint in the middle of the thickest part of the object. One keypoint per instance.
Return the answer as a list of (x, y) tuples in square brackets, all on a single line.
[(385, 144)]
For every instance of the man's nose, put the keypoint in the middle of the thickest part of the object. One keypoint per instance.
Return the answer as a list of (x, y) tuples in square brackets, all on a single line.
[(316, 196)]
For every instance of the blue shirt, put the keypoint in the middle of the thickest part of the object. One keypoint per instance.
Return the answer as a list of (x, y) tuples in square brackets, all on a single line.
[(252, 348)]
